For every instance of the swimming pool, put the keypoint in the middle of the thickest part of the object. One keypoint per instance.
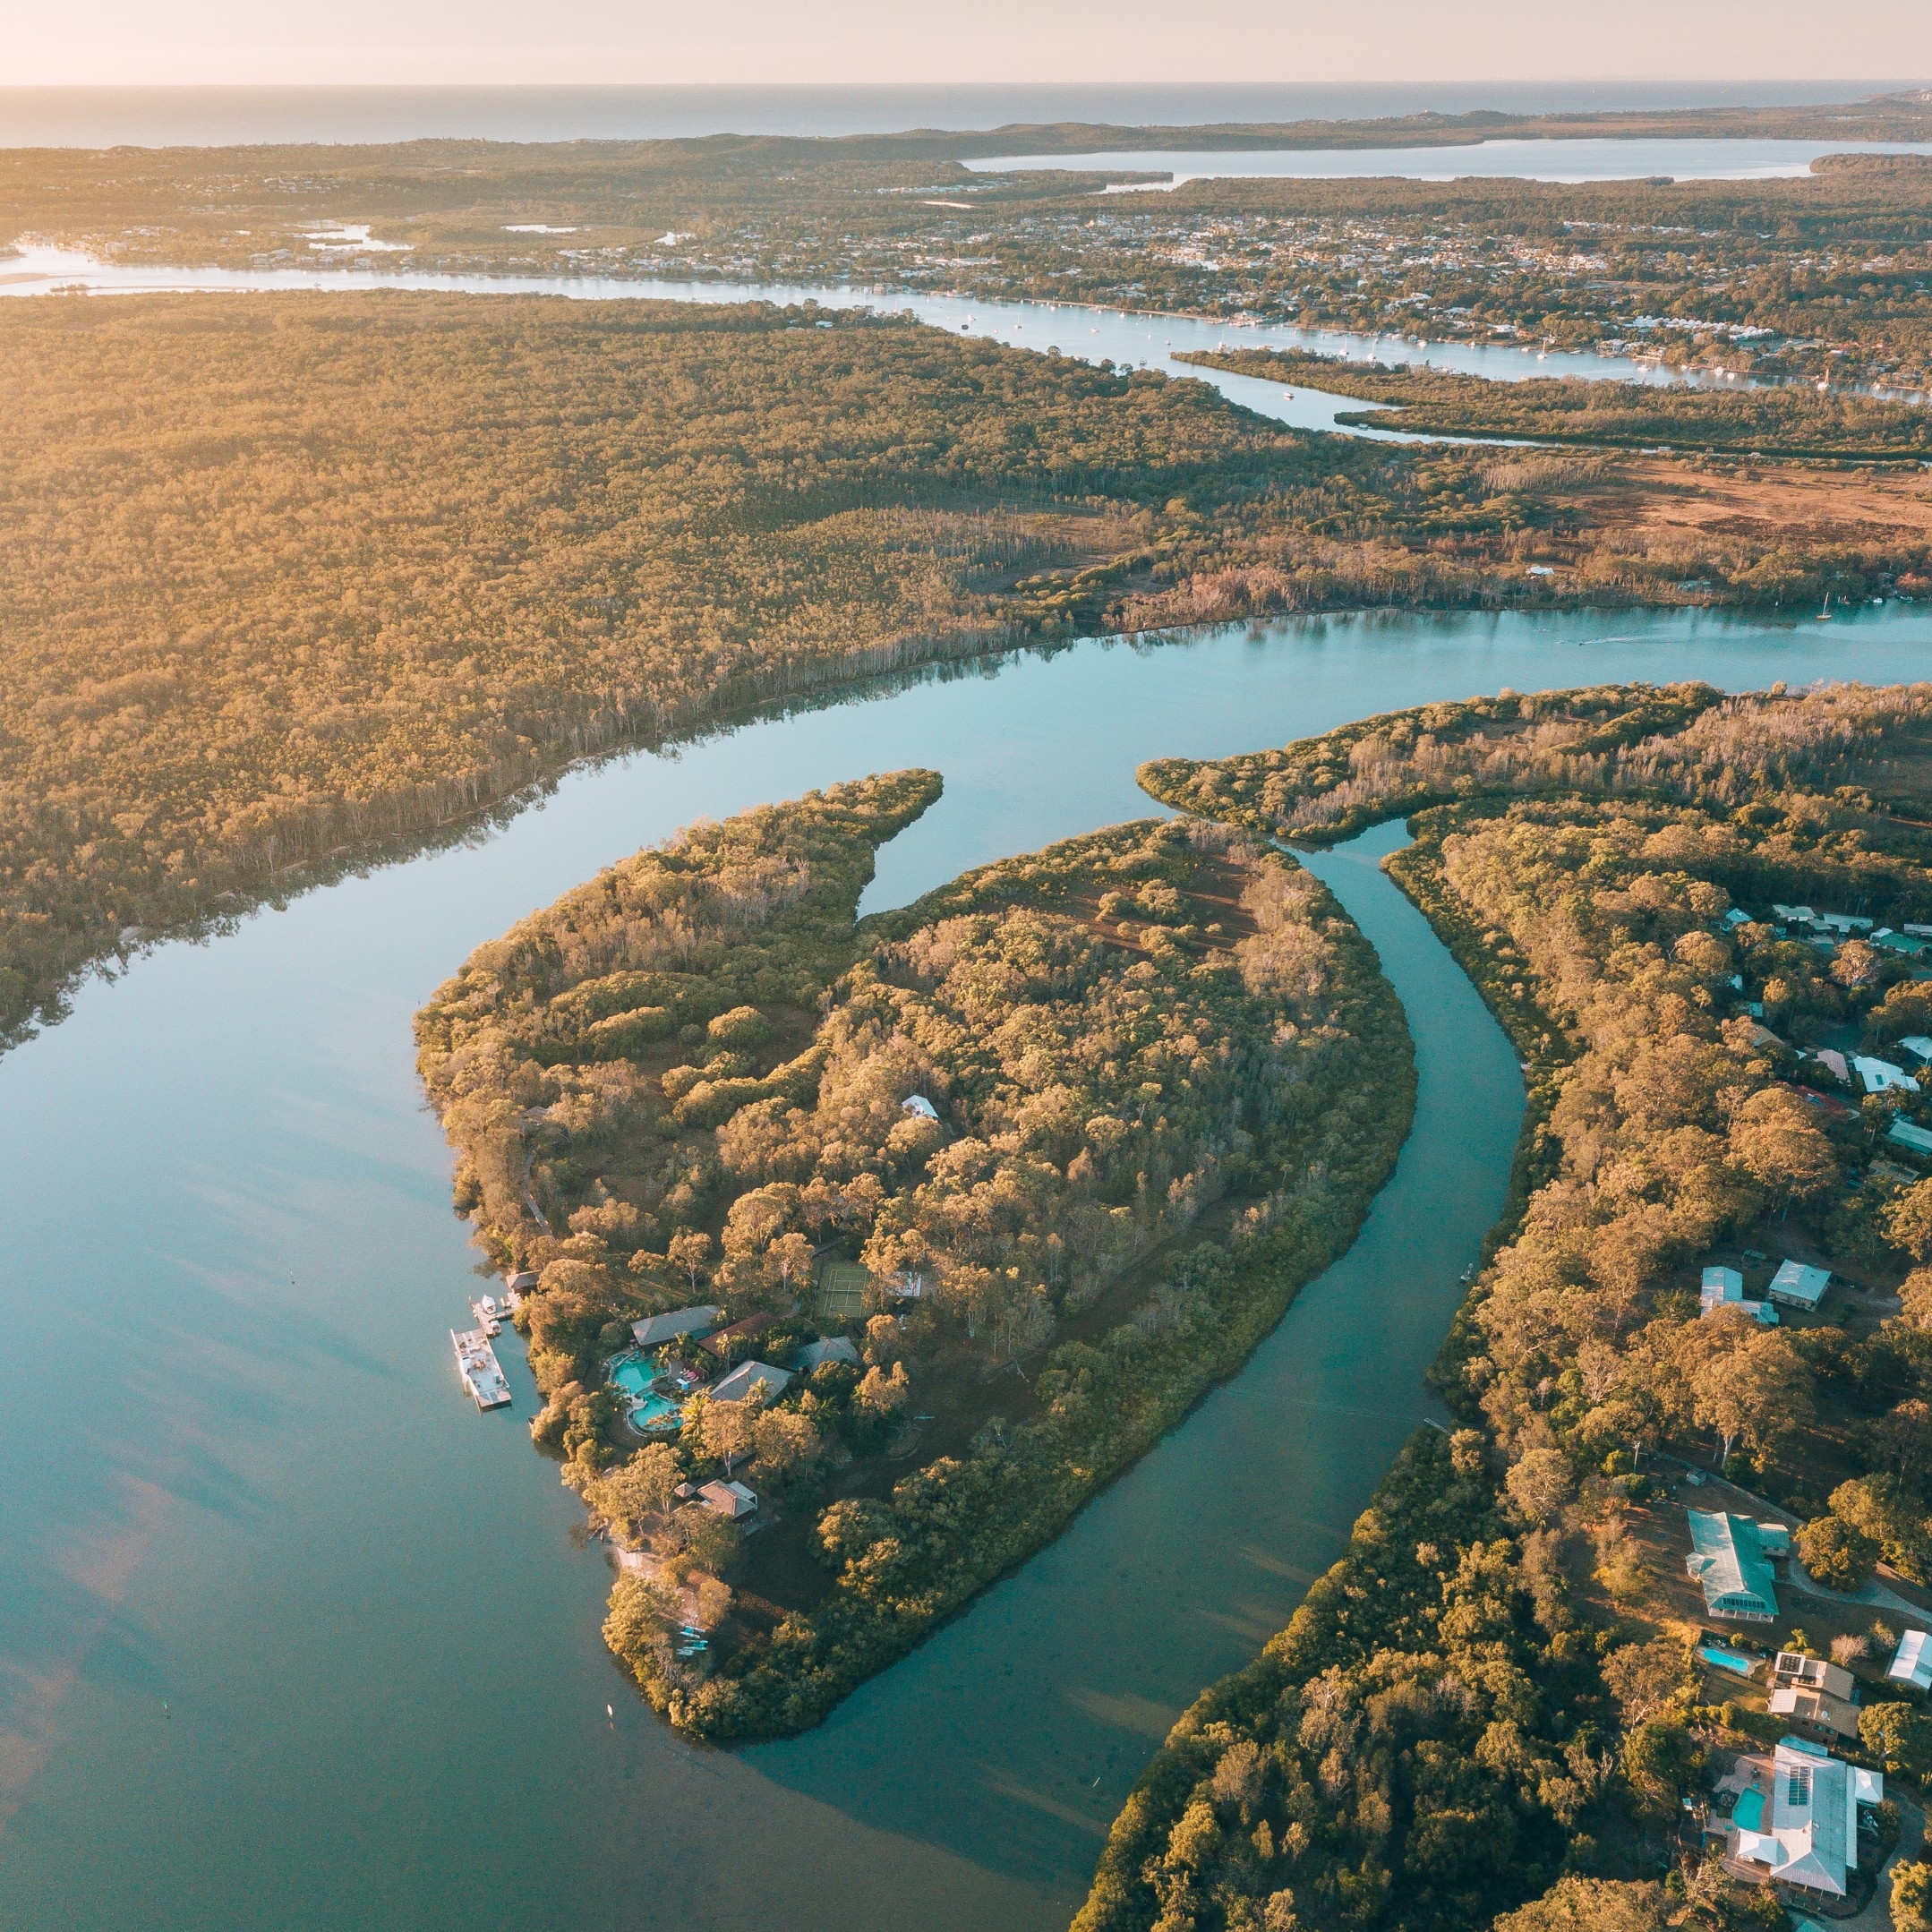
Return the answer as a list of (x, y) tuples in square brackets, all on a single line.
[(655, 1413), (1749, 1813), (1733, 1661), (633, 1377)]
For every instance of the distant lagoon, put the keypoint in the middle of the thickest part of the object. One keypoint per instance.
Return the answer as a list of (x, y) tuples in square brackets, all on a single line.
[(1579, 160)]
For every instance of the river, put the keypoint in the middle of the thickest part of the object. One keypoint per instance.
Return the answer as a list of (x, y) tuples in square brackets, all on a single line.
[(292, 1638), (1096, 335)]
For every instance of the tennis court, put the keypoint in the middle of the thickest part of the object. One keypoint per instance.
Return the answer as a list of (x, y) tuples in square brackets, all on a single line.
[(841, 1291)]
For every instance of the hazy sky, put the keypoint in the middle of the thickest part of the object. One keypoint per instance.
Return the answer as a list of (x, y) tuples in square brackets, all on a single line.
[(132, 42)]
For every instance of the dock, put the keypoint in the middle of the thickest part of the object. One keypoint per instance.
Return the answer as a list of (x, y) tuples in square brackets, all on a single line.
[(477, 1364)]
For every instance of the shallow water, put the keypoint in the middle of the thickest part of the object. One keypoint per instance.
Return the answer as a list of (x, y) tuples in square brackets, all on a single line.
[(291, 1636), (1725, 158)]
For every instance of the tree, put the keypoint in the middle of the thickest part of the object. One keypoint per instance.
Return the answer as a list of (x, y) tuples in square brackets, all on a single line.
[(1774, 1140), (1898, 1736), (690, 1250), (1903, 1439), (1907, 1221), (636, 1490), (1835, 1554), (885, 1394), (1592, 1905), (725, 1428), (1916, 1293), (1663, 1762), (1539, 1482), (1912, 1891), (784, 1442), (1643, 1678), (1755, 1393), (790, 1260)]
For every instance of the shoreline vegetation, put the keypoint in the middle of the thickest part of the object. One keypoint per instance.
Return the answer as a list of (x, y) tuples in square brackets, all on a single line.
[(1496, 1692), (1759, 422), (987, 1192), (296, 582)]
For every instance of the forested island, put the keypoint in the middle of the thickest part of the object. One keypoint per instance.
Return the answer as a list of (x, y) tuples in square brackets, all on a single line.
[(1497, 1693), (292, 580), (1785, 422), (925, 1224)]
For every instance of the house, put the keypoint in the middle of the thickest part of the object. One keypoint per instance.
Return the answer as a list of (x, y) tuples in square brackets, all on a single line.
[(1814, 1711), (1903, 1133), (1734, 919), (1775, 1539), (1918, 1046), (1798, 1286), (1813, 1673), (918, 1104), (519, 1282), (1723, 1287), (720, 1344), (656, 1330), (1761, 1035), (1792, 915), (1913, 1663), (838, 1349), (1880, 1076), (731, 1500), (1813, 1841), (747, 1376), (1844, 923), (1831, 1058), (1728, 1562), (1909, 945)]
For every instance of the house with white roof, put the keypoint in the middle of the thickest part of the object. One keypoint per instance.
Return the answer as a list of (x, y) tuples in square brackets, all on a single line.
[(838, 1349), (1915, 1139), (1919, 1045), (1798, 1286), (1913, 1662), (1727, 1561), (1812, 1841), (1723, 1287), (1880, 1076)]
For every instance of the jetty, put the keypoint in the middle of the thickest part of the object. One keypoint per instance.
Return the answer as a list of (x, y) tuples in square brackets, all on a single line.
[(477, 1364)]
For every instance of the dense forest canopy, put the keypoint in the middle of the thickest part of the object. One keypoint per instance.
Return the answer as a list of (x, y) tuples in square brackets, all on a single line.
[(288, 578), (1094, 1114), (1497, 1685)]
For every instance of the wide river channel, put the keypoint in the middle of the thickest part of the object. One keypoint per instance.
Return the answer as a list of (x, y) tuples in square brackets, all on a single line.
[(292, 1638)]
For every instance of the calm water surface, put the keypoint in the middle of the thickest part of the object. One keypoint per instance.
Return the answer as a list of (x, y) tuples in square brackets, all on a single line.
[(1094, 335), (292, 1638), (1727, 158)]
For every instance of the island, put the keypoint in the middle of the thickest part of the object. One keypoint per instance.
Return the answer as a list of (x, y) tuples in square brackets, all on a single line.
[(1620, 1618), (855, 1255)]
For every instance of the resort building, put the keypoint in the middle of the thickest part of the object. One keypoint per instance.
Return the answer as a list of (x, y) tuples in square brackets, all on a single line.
[(747, 1376), (1798, 1286), (1812, 1838), (657, 1331), (1728, 1563), (838, 1349), (720, 1344), (730, 1500), (1913, 1663)]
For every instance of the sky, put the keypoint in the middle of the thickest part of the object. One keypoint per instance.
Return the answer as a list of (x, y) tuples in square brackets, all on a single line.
[(510, 42)]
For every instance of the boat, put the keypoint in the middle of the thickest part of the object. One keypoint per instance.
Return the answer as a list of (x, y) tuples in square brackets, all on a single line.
[(477, 1364)]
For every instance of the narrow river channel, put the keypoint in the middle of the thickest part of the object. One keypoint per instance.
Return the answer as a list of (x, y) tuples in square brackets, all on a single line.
[(291, 1639)]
